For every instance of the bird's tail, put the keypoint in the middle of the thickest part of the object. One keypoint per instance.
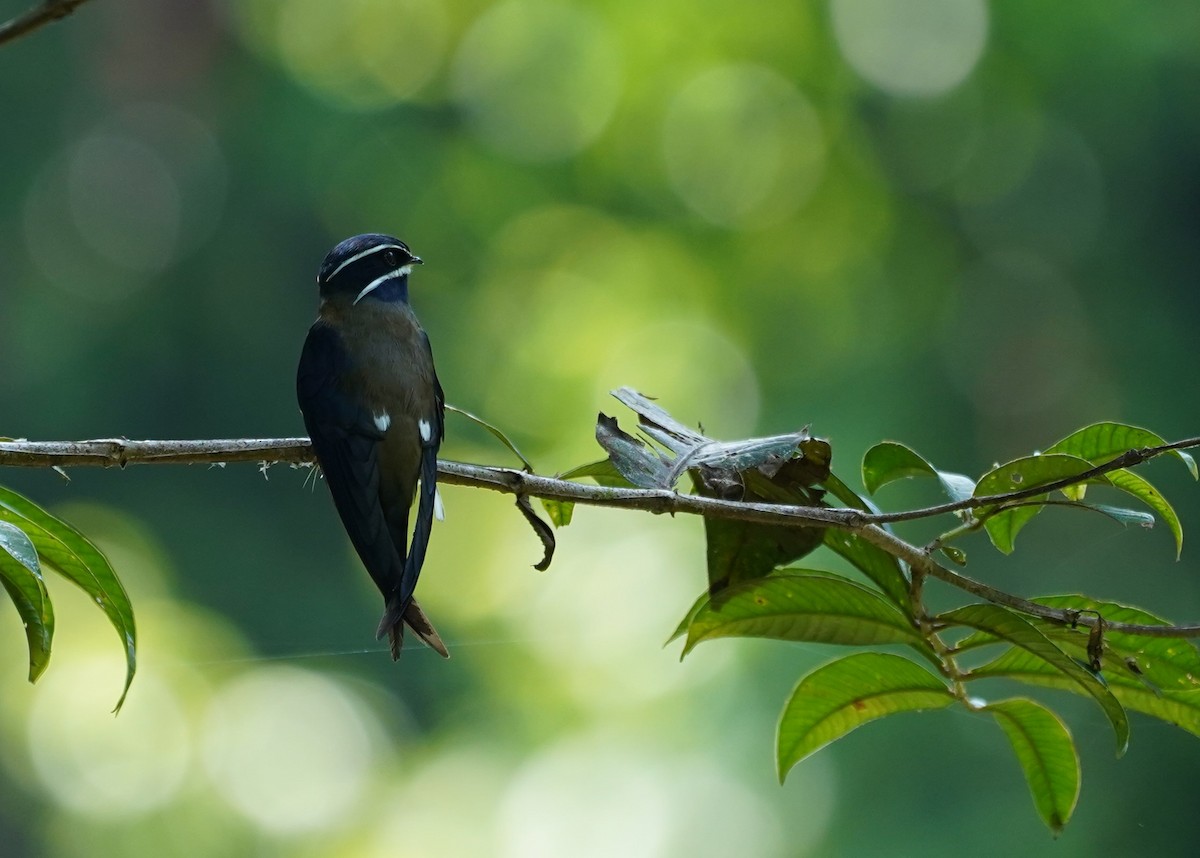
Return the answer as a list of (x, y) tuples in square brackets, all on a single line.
[(397, 616)]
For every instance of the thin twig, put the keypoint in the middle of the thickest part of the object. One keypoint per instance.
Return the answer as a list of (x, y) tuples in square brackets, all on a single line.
[(1128, 459), (120, 452), (42, 13)]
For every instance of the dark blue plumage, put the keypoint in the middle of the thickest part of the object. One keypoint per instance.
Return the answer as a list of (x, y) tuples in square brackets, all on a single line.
[(373, 408)]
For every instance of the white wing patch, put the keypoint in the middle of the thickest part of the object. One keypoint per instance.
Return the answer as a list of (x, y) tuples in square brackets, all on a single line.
[(426, 430), (439, 511), (383, 421)]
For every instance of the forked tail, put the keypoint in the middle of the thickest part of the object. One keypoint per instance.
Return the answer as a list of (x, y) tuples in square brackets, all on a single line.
[(394, 620)]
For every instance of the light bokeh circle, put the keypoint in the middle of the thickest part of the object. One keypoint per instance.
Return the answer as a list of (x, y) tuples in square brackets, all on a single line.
[(362, 54), (288, 749), (589, 799), (743, 147), (106, 767), (538, 81), (125, 202), (116, 208), (911, 47)]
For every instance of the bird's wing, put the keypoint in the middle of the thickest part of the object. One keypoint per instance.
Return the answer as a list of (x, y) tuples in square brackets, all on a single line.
[(428, 491), (346, 442)]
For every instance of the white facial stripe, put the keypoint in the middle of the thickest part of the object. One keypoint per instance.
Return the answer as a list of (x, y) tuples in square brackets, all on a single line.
[(426, 430), (359, 256), (383, 421), (391, 275)]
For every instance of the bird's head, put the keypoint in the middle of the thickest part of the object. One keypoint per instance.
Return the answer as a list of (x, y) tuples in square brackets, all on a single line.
[(367, 267)]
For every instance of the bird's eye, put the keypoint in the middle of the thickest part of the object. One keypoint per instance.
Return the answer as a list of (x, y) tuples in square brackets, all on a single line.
[(391, 258)]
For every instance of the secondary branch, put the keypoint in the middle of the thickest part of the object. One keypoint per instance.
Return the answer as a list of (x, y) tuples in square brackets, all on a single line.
[(32, 19)]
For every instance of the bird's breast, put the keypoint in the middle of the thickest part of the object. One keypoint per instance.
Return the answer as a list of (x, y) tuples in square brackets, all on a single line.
[(390, 367)]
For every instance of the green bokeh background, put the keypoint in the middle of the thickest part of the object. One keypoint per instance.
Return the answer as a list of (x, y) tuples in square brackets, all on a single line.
[(968, 226)]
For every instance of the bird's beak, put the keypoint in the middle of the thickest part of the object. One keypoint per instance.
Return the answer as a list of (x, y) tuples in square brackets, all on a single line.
[(416, 260)]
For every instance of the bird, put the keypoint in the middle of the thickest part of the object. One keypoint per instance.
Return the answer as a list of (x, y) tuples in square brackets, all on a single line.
[(374, 410)]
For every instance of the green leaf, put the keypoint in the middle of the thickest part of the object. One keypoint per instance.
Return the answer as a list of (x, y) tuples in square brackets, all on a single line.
[(496, 433), (1015, 629), (1018, 475), (682, 628), (1138, 661), (956, 555), (804, 606), (73, 555), (39, 625), (958, 487), (874, 562), (845, 494), (738, 551), (1119, 514), (741, 551), (19, 548), (1136, 485), (703, 600), (1047, 755), (889, 461), (1172, 664), (21, 575), (604, 472), (1160, 664), (845, 694), (1102, 442), (1180, 708), (559, 511)]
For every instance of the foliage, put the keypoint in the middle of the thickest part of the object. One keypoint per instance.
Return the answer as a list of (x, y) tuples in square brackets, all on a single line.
[(1121, 657), (749, 594), (31, 540), (749, 212)]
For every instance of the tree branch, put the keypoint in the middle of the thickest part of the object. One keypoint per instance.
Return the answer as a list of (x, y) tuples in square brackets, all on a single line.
[(121, 452), (32, 19), (920, 559)]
